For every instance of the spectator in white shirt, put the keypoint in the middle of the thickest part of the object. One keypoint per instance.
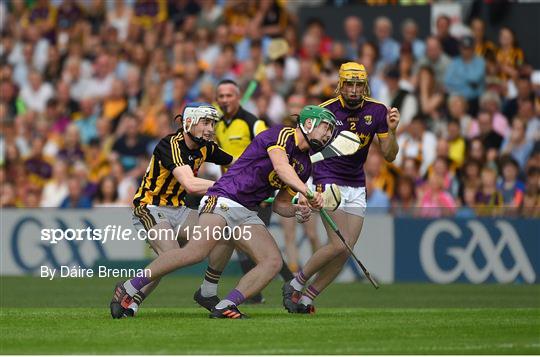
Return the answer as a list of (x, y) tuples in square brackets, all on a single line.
[(417, 143), (36, 93)]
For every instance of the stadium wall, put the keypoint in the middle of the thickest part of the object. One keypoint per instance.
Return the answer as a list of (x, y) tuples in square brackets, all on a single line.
[(491, 250)]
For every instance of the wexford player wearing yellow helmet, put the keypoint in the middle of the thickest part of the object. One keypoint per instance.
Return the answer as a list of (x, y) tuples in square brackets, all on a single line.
[(357, 112)]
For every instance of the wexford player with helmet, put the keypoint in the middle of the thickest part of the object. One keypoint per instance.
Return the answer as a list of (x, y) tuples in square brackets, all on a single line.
[(159, 202), (357, 112), (278, 158)]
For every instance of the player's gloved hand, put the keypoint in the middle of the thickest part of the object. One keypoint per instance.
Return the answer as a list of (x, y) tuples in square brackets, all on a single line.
[(302, 213)]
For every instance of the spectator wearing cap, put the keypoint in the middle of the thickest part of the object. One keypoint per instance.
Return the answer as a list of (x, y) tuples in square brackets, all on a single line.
[(465, 74)]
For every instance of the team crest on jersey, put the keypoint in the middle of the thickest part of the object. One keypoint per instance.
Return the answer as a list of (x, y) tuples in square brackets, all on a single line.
[(368, 119), (274, 180), (160, 215), (364, 139), (223, 207)]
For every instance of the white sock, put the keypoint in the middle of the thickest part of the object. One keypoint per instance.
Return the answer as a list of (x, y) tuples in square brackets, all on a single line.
[(129, 288), (208, 289), (296, 285), (305, 300), (224, 303)]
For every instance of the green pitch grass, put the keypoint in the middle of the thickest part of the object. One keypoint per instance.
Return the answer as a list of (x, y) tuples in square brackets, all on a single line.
[(71, 316)]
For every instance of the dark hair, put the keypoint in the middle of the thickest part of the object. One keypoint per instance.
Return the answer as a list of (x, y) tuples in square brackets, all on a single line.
[(444, 17), (315, 21), (99, 193), (228, 81), (455, 122), (508, 160), (372, 45), (409, 181), (515, 43)]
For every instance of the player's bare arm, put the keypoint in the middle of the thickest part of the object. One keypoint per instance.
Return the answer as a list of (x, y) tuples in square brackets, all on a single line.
[(282, 205), (285, 171), (287, 174), (389, 144), (193, 185)]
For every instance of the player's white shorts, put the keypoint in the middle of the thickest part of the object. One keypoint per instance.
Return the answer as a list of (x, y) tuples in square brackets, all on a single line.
[(353, 199), (233, 212), (146, 217)]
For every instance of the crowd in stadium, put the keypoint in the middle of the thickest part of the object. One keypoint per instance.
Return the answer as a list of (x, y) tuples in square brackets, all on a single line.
[(88, 88)]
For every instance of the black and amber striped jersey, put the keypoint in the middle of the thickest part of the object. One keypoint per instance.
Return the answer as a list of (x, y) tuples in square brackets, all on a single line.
[(159, 187)]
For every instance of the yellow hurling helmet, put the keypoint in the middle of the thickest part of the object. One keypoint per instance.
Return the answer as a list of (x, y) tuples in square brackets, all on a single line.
[(353, 72)]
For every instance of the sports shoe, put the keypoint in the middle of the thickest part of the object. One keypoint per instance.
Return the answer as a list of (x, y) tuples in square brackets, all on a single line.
[(120, 301), (291, 296), (230, 312), (305, 309), (207, 302)]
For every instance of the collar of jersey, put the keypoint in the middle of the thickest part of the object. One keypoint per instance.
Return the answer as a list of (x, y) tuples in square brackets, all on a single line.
[(233, 118)]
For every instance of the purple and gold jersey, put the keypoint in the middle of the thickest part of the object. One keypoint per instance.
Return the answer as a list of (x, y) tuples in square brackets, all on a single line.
[(366, 122), (252, 178)]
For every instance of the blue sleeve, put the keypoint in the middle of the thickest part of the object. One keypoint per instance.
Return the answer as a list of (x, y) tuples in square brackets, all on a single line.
[(452, 80)]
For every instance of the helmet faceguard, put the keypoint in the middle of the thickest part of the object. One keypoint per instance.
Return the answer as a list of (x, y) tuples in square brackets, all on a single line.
[(196, 112), (352, 72), (317, 115)]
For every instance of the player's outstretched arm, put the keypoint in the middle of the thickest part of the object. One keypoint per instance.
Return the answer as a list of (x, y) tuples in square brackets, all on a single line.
[(193, 185), (389, 144), (285, 171)]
